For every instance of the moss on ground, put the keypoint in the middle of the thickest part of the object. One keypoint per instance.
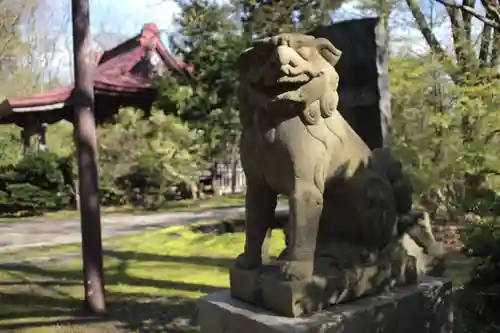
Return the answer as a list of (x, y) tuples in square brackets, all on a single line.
[(153, 281)]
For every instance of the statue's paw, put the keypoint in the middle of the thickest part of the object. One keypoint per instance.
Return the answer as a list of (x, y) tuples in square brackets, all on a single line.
[(245, 261), (297, 270)]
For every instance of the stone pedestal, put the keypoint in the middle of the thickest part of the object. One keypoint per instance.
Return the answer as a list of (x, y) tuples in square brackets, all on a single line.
[(423, 308)]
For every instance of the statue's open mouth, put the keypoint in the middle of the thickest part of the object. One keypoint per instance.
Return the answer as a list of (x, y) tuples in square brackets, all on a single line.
[(281, 85), (281, 88)]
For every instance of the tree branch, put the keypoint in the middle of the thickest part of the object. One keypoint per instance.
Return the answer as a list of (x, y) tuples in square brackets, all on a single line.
[(468, 18), (491, 135), (486, 39), (495, 43), (15, 20), (491, 10), (461, 41), (489, 172), (495, 23), (431, 39)]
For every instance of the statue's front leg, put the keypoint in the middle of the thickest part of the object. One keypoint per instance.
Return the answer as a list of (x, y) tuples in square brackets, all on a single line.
[(306, 204), (260, 206)]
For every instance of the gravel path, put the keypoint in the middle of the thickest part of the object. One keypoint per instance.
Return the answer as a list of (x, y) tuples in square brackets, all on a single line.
[(16, 236)]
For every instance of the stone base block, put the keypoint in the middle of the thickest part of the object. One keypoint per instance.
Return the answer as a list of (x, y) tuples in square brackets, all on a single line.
[(264, 288), (422, 308)]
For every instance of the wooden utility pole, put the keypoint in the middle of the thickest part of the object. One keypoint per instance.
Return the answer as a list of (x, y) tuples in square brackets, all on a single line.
[(86, 142)]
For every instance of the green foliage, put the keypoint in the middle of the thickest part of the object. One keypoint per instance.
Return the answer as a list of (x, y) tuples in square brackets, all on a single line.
[(268, 17), (482, 240), (489, 205), (111, 196), (10, 34), (446, 134), (208, 37), (144, 184), (29, 199), (443, 131), (22, 72), (10, 144), (60, 140), (38, 183), (414, 117), (478, 300), (41, 168), (140, 157)]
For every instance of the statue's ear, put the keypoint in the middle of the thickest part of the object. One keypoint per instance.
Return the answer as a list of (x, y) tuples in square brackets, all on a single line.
[(328, 51)]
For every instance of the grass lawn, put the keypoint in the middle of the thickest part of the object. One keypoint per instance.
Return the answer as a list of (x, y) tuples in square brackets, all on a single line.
[(171, 206), (153, 282)]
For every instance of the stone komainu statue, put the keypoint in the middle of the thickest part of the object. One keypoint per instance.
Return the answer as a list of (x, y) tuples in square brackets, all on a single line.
[(351, 231)]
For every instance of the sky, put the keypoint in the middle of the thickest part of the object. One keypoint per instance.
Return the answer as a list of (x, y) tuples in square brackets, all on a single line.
[(129, 16), (113, 21)]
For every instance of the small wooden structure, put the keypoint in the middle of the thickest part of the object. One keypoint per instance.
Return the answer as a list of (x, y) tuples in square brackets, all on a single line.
[(123, 76)]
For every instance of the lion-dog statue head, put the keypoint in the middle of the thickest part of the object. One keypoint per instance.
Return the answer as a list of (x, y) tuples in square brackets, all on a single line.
[(291, 67)]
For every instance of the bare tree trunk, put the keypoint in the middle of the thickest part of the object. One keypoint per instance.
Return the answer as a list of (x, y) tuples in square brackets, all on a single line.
[(431, 38), (214, 178), (75, 182), (234, 165), (194, 190), (42, 137), (26, 137), (88, 174), (484, 49), (495, 52)]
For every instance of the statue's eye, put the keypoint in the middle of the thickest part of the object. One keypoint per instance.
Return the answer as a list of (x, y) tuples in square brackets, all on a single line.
[(304, 52)]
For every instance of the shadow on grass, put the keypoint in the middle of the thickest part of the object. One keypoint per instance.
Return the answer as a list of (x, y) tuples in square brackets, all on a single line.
[(37, 297), (199, 261), (165, 314)]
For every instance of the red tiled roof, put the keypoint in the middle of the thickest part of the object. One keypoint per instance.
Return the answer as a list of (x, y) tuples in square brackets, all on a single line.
[(57, 95), (114, 72)]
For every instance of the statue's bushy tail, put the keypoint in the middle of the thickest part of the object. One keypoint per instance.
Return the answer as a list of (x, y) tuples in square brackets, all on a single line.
[(415, 224), (401, 185)]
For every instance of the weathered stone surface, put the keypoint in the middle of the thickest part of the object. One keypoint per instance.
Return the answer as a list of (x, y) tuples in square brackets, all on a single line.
[(351, 231), (364, 76), (328, 286), (423, 308)]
